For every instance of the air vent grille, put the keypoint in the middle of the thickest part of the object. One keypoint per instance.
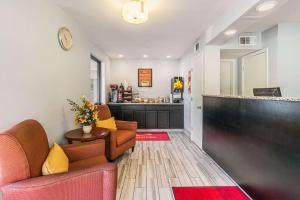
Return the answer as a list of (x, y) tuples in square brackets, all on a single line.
[(245, 41)]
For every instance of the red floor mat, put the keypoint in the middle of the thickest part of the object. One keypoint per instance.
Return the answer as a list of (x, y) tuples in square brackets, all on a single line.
[(209, 193), (152, 136)]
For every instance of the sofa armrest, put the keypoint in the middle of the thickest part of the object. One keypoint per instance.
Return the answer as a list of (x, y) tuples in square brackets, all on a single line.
[(81, 151), (126, 125), (94, 183)]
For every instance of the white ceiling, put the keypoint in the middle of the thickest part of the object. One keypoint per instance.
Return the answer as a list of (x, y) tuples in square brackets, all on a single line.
[(252, 21), (173, 26), (288, 12)]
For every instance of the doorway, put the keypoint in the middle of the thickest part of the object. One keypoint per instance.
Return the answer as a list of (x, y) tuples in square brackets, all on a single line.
[(228, 77), (196, 101), (95, 78), (254, 71)]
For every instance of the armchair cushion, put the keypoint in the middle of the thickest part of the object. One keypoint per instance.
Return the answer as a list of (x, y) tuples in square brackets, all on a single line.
[(82, 151), (83, 184), (126, 125), (10, 148), (56, 162), (32, 137), (107, 123), (124, 136), (87, 163), (104, 112)]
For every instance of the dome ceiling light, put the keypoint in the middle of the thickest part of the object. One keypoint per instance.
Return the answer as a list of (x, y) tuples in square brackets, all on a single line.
[(266, 6), (135, 12), (230, 32)]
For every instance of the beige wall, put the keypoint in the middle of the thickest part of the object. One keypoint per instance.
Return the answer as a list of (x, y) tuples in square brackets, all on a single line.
[(36, 75), (163, 71)]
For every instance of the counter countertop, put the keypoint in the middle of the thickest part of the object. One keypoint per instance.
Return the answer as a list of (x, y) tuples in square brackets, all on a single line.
[(168, 104), (258, 98)]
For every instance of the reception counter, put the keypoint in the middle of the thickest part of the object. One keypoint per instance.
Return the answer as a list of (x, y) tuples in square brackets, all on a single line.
[(256, 140), (150, 115)]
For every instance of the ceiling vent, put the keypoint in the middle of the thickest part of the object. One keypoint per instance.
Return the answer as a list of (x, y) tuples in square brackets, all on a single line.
[(247, 41)]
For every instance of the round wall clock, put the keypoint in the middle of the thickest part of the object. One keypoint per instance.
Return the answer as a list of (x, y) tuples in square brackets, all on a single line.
[(65, 38)]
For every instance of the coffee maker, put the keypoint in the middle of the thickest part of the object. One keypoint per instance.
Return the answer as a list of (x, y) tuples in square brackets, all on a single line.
[(177, 88), (113, 93)]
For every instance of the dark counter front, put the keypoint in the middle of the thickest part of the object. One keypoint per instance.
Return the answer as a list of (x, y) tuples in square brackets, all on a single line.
[(160, 116), (257, 142)]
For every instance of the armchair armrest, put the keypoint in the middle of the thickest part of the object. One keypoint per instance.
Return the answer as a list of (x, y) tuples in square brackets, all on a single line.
[(86, 150), (126, 125), (93, 183)]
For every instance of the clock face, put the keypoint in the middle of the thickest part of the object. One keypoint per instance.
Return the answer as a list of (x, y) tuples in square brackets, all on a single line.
[(65, 38)]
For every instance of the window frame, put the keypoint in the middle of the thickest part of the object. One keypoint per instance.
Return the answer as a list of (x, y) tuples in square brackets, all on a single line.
[(99, 92)]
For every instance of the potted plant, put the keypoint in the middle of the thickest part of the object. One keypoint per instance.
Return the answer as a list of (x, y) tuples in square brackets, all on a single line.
[(86, 114)]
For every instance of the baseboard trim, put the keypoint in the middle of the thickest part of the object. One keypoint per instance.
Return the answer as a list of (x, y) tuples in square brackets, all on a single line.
[(187, 132)]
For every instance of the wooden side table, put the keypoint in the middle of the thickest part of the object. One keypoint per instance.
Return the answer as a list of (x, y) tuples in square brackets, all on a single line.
[(96, 134)]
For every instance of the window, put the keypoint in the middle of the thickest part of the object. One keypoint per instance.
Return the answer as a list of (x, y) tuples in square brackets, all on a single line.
[(95, 76)]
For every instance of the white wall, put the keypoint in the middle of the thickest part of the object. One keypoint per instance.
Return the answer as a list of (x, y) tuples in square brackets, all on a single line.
[(210, 82), (289, 58), (185, 66), (212, 70), (36, 75), (162, 73), (270, 41), (283, 43)]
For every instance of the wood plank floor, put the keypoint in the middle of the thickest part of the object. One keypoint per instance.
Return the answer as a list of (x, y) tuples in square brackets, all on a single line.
[(155, 167)]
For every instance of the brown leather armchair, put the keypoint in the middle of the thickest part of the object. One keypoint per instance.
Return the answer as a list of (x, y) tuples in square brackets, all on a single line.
[(23, 150), (121, 139)]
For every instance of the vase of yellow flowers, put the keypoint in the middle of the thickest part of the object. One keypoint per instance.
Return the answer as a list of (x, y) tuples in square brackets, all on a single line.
[(86, 114)]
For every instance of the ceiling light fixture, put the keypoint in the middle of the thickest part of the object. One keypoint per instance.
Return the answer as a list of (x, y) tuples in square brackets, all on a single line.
[(168, 56), (266, 6), (120, 55), (230, 32), (145, 56), (135, 12)]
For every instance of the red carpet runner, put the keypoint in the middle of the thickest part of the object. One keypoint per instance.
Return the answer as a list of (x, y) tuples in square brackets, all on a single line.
[(152, 136), (209, 193)]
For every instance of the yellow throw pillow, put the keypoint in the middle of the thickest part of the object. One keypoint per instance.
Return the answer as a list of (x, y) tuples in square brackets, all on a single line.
[(56, 162), (108, 123)]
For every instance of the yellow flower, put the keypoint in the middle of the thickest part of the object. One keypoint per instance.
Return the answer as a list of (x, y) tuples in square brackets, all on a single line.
[(95, 115), (178, 84), (76, 120), (89, 105), (92, 106), (83, 119)]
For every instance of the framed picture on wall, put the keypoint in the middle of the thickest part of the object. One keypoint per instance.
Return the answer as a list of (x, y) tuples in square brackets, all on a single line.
[(145, 77)]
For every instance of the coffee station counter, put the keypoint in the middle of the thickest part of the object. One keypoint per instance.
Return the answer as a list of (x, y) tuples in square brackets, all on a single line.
[(150, 115), (170, 104)]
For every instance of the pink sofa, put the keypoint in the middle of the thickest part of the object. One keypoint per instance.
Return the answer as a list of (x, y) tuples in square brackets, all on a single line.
[(24, 148)]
